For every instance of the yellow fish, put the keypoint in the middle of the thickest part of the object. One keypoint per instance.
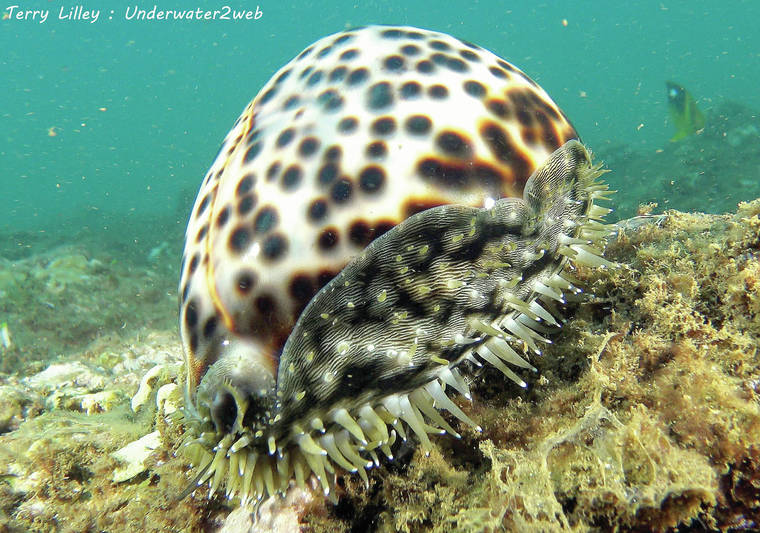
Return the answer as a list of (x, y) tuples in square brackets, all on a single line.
[(687, 117)]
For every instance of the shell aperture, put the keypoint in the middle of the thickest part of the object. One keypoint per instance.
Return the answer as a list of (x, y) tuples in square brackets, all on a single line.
[(282, 391)]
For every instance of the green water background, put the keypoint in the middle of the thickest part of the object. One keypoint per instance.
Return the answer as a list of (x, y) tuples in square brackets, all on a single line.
[(171, 90)]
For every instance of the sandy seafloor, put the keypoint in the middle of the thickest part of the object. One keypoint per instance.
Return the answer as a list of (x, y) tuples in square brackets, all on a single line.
[(644, 415)]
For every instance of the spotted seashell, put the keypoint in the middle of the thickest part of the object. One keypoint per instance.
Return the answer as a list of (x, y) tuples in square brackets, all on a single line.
[(395, 203)]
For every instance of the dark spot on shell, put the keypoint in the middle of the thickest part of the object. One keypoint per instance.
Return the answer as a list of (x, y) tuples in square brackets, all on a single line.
[(490, 178), (499, 73), (268, 95), (291, 103), (357, 77), (341, 191), (274, 246), (474, 88), (246, 204), (376, 150), (506, 66), (224, 216), (394, 63), (324, 277), (382, 227), (379, 96), (273, 170), (438, 92), (410, 89), (548, 133), (410, 50), (348, 55), (347, 125), (328, 239), (445, 175), (544, 106), (266, 219), (239, 239), (291, 177), (453, 144), (315, 78), (333, 153), (518, 99), (503, 149), (360, 233), (308, 146), (469, 55), (344, 38), (253, 135), (425, 67), (528, 135), (499, 108), (318, 210), (244, 281), (439, 59), (418, 125), (253, 151), (203, 205), (524, 117), (193, 342), (391, 34), (191, 314), (201, 233), (439, 45), (326, 50), (371, 179), (327, 173), (384, 126), (338, 74), (305, 52), (283, 76), (245, 184), (457, 65), (302, 289), (330, 100), (209, 328), (194, 262), (265, 304), (285, 137)]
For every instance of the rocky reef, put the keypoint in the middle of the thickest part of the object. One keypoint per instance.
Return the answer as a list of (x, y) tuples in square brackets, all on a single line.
[(644, 414)]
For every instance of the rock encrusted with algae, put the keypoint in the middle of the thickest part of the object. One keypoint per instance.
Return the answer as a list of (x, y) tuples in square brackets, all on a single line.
[(644, 416)]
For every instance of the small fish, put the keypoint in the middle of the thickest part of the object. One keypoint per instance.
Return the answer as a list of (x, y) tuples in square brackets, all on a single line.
[(687, 117), (5, 337)]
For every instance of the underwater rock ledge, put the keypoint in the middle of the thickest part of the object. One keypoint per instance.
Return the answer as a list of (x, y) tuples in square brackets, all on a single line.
[(644, 415)]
